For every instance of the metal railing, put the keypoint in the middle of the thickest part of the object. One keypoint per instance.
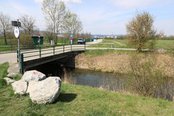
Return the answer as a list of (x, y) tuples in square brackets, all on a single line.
[(46, 52)]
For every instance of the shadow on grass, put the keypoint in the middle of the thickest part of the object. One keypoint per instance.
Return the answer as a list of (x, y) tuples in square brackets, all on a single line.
[(66, 97)]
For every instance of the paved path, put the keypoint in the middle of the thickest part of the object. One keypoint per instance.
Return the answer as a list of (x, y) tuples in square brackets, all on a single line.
[(9, 57)]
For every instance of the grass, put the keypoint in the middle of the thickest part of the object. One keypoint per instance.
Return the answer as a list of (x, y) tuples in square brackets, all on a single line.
[(3, 73), (3, 70), (85, 101), (113, 43), (117, 43), (165, 44)]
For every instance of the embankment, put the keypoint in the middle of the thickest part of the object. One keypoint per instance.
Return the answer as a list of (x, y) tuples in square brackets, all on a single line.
[(120, 62)]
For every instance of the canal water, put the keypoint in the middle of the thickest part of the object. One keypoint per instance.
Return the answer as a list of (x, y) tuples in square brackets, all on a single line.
[(109, 81)]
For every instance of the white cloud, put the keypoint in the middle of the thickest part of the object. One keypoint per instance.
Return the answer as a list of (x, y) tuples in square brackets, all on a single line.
[(72, 1), (66, 1), (38, 1), (126, 4)]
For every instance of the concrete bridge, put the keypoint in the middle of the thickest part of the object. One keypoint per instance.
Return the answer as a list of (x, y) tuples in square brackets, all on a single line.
[(31, 58)]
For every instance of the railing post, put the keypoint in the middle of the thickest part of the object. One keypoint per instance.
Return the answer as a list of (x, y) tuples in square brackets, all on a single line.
[(22, 63), (53, 50), (84, 46), (63, 48), (71, 47), (39, 52)]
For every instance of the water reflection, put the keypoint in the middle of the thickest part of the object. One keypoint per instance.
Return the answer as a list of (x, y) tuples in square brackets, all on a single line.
[(96, 79), (113, 82)]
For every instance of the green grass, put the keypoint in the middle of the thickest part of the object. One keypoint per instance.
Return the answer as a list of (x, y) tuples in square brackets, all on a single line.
[(85, 101), (3, 70), (94, 53), (113, 43), (78, 100), (165, 44), (3, 73), (117, 43)]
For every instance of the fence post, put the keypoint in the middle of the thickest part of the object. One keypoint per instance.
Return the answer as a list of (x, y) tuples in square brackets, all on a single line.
[(22, 63)]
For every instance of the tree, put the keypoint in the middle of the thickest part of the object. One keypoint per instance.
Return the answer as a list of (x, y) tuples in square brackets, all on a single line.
[(72, 24), (55, 11), (140, 30), (28, 24), (5, 26)]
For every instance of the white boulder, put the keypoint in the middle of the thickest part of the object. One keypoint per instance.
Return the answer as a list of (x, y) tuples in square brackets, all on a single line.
[(12, 75), (33, 75), (9, 80), (45, 91), (19, 87)]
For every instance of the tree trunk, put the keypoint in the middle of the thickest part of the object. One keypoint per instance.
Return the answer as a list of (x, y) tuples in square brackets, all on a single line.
[(5, 38)]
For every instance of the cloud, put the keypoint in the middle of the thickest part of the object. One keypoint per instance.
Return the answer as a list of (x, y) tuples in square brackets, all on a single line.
[(127, 4), (66, 1), (72, 1), (38, 1)]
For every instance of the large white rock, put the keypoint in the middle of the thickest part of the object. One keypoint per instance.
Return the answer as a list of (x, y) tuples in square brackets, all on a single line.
[(8, 80), (45, 91), (33, 75), (20, 87), (12, 75)]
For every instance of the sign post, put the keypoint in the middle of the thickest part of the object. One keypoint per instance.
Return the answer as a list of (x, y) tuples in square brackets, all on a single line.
[(16, 25)]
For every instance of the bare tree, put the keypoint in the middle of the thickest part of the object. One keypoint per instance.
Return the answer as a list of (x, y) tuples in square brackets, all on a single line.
[(28, 24), (54, 11), (5, 25), (72, 24), (140, 29)]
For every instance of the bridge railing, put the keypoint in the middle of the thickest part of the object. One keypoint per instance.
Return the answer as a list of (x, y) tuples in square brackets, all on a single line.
[(46, 52)]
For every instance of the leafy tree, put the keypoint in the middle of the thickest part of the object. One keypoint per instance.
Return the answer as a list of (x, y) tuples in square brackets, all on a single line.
[(140, 30), (5, 25), (72, 24), (54, 11)]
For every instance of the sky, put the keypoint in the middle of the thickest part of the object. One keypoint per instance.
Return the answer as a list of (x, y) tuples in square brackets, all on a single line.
[(99, 16)]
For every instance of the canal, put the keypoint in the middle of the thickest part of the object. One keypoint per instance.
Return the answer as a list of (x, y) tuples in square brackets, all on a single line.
[(109, 81)]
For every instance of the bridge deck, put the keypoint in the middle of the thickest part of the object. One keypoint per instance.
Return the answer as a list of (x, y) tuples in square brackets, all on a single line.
[(39, 56)]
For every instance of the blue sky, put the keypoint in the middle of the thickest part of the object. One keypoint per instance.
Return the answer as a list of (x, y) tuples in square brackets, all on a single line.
[(100, 16)]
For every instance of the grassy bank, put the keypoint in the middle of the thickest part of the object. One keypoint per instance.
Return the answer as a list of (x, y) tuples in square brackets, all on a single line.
[(119, 61), (85, 101)]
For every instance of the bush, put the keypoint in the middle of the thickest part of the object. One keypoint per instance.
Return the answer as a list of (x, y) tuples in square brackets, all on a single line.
[(26, 41), (145, 79)]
